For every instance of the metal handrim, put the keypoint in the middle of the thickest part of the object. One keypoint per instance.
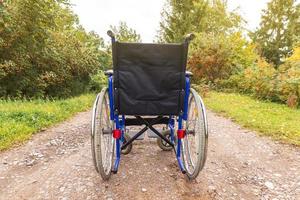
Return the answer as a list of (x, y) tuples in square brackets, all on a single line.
[(102, 144), (194, 145)]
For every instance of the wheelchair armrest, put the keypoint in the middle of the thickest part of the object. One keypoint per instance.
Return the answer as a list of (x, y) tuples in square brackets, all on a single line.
[(109, 72), (189, 74)]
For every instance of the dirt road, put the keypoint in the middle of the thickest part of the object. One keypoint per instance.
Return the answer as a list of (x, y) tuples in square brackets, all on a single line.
[(57, 164)]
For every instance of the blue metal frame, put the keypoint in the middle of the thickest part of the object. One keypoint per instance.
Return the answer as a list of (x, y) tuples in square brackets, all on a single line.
[(120, 124), (186, 97), (111, 97), (171, 125), (182, 117), (178, 151)]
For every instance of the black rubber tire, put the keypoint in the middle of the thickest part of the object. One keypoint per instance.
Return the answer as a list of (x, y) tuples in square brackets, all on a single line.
[(128, 149), (162, 144), (96, 138), (202, 138)]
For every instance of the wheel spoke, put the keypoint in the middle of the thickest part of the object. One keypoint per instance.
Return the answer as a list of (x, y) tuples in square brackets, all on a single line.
[(102, 140), (194, 143)]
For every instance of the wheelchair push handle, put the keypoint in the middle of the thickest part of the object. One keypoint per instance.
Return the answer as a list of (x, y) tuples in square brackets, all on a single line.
[(111, 34), (189, 37)]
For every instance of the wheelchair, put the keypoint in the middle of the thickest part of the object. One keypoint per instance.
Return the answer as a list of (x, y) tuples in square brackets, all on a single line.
[(148, 86)]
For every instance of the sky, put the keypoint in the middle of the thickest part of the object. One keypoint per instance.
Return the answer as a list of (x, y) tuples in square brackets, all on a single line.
[(144, 15)]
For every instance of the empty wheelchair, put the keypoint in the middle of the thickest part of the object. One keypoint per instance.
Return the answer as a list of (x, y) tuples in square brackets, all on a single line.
[(148, 86)]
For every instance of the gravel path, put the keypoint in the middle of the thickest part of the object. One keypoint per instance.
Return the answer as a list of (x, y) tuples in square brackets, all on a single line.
[(57, 164)]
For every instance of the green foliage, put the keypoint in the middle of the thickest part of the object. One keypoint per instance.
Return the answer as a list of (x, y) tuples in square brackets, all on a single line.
[(219, 49), (279, 30), (125, 34), (98, 81), (264, 81), (221, 57), (180, 17), (257, 79), (44, 51), (270, 119), (288, 81), (20, 119), (215, 57)]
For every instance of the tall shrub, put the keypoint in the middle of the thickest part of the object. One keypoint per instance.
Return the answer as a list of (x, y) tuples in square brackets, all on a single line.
[(214, 58), (288, 87), (44, 51)]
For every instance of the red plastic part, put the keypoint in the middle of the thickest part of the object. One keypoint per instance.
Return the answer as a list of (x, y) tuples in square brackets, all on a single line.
[(117, 133), (180, 133)]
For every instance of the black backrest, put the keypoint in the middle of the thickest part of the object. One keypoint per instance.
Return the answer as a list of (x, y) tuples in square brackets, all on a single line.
[(149, 79)]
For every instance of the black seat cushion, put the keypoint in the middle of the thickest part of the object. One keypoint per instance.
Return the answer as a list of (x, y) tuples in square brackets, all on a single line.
[(149, 78)]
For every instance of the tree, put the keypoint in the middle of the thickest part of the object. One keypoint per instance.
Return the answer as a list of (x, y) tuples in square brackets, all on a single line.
[(44, 51), (125, 34), (180, 17), (279, 30)]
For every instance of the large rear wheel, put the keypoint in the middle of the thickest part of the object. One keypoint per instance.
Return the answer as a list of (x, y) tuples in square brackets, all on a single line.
[(194, 144), (102, 140)]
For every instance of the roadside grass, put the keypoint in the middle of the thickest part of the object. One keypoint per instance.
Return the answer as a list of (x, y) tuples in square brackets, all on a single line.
[(270, 119), (20, 119)]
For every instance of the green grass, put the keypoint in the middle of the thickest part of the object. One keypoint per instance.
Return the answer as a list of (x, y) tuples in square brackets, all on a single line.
[(270, 119), (20, 119)]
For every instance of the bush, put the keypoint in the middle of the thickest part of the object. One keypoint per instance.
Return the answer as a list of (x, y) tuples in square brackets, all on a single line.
[(288, 83), (44, 51), (216, 57), (264, 81), (98, 81), (258, 79)]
